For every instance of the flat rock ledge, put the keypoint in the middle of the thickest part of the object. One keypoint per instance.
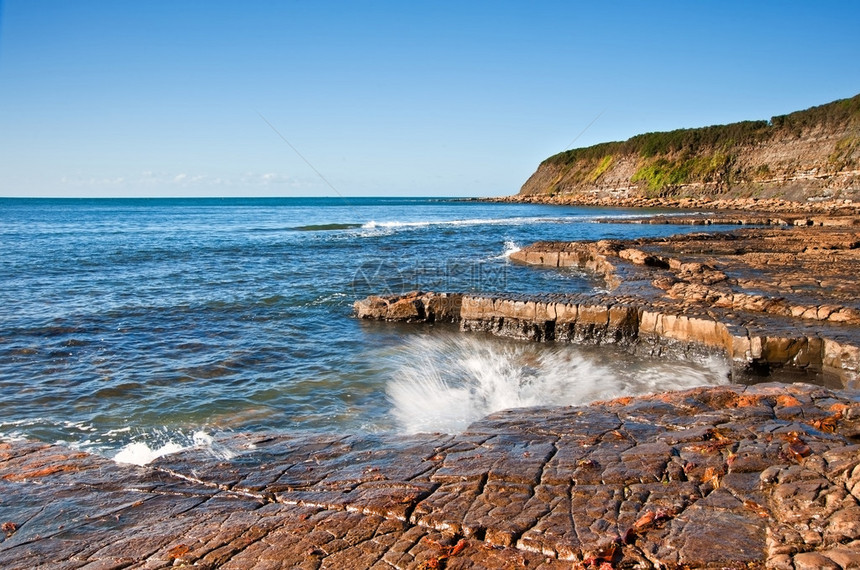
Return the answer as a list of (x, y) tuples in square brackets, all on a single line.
[(740, 218), (763, 476), (754, 348), (622, 198), (768, 300)]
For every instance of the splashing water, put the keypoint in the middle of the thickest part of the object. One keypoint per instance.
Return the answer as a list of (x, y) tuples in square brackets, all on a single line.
[(139, 453), (510, 248), (142, 453), (446, 382)]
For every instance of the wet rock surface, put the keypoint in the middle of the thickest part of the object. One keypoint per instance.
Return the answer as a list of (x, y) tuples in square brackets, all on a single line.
[(715, 205), (770, 300), (788, 217), (411, 307), (734, 476), (804, 273), (790, 293)]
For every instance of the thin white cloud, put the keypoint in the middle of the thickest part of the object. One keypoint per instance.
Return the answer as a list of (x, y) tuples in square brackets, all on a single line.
[(80, 182), (274, 178)]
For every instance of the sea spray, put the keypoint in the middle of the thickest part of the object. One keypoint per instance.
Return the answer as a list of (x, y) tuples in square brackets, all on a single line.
[(142, 452), (510, 248), (139, 452), (444, 382)]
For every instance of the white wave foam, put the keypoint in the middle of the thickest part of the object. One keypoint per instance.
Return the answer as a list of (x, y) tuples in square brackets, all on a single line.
[(12, 436), (510, 248), (141, 453), (202, 439), (372, 225), (323, 299), (444, 383), (138, 446)]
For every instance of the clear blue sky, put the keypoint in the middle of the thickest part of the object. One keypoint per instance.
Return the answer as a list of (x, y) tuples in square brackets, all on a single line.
[(121, 98)]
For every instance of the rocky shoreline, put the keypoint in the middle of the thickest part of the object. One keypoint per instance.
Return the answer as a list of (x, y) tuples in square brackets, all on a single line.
[(761, 475), (769, 300), (778, 302), (723, 477), (714, 205)]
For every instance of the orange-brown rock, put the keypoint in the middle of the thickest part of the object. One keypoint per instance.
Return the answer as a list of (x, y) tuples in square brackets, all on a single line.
[(766, 299), (411, 307), (651, 482), (727, 210)]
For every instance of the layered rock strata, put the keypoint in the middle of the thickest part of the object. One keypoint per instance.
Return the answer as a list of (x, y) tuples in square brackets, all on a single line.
[(740, 218), (724, 477), (754, 349), (841, 207), (766, 299), (415, 307), (806, 157)]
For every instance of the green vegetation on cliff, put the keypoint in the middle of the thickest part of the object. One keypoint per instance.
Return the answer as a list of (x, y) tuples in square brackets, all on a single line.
[(707, 155), (663, 173), (692, 141), (681, 140)]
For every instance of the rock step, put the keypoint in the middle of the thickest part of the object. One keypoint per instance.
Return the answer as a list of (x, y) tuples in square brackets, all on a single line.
[(644, 329)]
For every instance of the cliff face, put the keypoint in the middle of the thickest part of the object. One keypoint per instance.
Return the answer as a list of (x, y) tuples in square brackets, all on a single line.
[(807, 155)]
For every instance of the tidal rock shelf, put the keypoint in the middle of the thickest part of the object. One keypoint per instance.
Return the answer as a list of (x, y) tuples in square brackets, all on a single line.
[(741, 218), (753, 350), (784, 300), (730, 477)]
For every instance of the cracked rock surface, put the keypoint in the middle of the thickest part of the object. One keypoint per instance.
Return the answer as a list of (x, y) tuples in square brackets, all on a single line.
[(805, 273), (787, 296), (732, 476)]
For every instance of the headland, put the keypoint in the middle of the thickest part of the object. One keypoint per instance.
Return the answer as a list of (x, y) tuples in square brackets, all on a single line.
[(803, 159)]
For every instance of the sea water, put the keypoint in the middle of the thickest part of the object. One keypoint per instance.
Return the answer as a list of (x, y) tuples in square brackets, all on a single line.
[(138, 327)]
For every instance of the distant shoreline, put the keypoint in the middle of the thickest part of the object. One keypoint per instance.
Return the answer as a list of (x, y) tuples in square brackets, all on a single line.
[(826, 207)]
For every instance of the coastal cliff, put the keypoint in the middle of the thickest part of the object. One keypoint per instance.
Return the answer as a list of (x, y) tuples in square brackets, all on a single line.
[(807, 156)]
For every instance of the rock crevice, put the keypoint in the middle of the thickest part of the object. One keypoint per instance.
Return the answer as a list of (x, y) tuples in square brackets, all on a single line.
[(653, 481)]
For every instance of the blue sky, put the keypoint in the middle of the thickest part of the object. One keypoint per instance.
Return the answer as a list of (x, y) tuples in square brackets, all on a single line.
[(383, 98)]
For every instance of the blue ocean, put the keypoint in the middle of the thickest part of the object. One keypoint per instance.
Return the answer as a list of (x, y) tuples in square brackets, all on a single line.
[(135, 327)]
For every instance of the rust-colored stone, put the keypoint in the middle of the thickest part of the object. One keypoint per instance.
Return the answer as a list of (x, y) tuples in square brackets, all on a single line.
[(768, 300), (662, 480)]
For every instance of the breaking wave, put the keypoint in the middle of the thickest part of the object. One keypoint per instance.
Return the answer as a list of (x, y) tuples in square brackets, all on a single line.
[(123, 445), (444, 383), (145, 452), (510, 248), (469, 222)]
